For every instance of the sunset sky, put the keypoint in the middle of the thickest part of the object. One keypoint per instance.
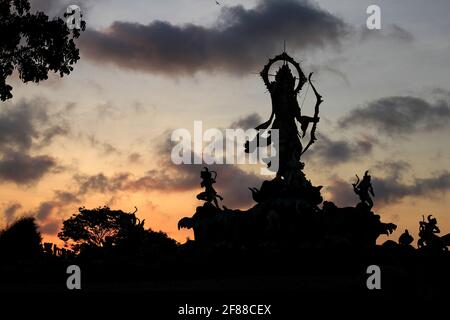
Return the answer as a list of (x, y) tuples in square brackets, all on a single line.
[(101, 136)]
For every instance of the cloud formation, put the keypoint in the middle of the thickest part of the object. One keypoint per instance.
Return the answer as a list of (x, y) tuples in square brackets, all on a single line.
[(19, 124), (399, 115), (26, 127), (335, 152), (232, 182), (10, 212), (391, 190), (49, 213), (238, 42), (24, 169)]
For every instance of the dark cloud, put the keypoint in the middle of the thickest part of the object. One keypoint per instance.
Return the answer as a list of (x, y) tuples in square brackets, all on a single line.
[(395, 169), (240, 40), (335, 152), (341, 192), (66, 197), (49, 213), (50, 228), (20, 123), (101, 183), (399, 115), (27, 126), (45, 210), (10, 211), (25, 169), (392, 188)]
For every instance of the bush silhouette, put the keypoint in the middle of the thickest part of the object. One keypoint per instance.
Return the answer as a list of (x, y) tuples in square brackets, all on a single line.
[(102, 231), (158, 243), (21, 241)]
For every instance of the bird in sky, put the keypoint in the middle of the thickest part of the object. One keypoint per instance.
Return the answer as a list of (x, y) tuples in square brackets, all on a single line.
[(218, 3)]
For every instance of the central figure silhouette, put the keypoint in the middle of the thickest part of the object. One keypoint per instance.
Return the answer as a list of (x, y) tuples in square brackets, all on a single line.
[(285, 112)]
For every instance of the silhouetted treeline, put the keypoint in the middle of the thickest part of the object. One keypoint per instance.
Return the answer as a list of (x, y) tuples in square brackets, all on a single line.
[(114, 247)]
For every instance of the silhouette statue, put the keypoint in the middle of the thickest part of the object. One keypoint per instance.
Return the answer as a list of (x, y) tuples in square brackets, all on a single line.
[(285, 113), (288, 229), (405, 238), (209, 194), (363, 188), (287, 208), (428, 238), (283, 216)]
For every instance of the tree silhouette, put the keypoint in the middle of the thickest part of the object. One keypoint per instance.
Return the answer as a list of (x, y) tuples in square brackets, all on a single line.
[(157, 244), (21, 240), (99, 227), (118, 232), (33, 44)]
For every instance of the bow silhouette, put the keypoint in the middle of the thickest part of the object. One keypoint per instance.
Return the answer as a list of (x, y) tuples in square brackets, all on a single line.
[(319, 100)]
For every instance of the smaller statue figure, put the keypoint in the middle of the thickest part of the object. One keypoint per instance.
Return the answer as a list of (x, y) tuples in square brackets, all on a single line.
[(364, 189), (428, 234), (405, 239), (209, 194), (429, 227)]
